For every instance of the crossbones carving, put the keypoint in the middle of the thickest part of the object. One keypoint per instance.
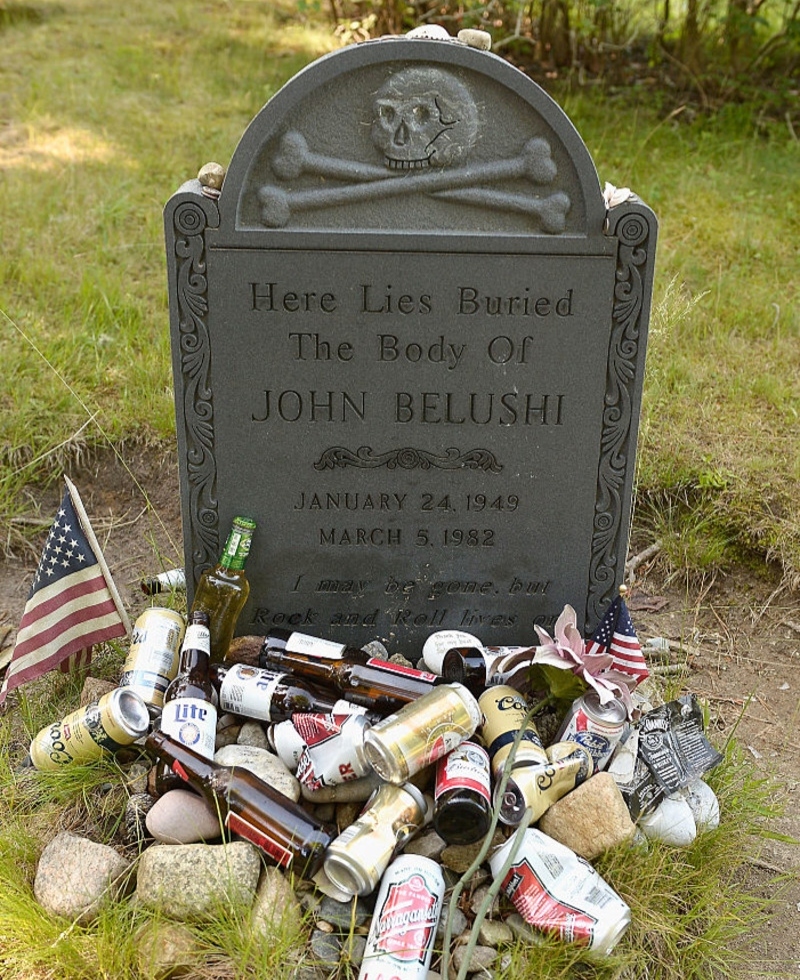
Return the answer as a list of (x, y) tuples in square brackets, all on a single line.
[(423, 121)]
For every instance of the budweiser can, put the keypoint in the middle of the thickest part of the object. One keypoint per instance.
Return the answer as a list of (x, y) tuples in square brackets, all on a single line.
[(357, 858), (421, 732), (334, 749), (407, 910), (558, 892), (597, 726), (117, 719), (154, 654)]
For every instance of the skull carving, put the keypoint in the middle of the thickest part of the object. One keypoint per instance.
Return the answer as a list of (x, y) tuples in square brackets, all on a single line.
[(423, 117)]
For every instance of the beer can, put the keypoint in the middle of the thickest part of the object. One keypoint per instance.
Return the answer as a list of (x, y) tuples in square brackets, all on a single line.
[(334, 749), (504, 711), (358, 857), (540, 785), (407, 910), (154, 654), (597, 726), (115, 720), (560, 893), (421, 732)]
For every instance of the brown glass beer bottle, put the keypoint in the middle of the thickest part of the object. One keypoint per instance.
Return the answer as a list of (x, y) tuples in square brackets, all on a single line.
[(365, 680), (269, 695), (249, 807)]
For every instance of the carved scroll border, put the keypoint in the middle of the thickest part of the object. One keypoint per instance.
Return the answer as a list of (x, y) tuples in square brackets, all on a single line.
[(634, 230), (190, 221)]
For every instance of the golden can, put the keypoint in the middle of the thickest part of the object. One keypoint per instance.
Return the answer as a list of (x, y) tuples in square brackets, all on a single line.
[(153, 658), (421, 732), (540, 785), (115, 720), (504, 711)]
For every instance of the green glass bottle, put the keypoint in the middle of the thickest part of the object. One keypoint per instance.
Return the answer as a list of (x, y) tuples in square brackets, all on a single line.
[(223, 590)]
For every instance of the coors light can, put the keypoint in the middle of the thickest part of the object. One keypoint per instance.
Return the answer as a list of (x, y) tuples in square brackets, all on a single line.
[(407, 910)]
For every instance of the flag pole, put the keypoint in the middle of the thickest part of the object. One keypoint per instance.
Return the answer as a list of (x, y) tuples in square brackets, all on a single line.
[(88, 530)]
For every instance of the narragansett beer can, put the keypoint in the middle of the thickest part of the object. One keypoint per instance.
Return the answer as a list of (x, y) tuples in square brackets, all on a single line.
[(407, 911), (154, 654), (560, 893), (597, 726), (421, 732), (117, 719)]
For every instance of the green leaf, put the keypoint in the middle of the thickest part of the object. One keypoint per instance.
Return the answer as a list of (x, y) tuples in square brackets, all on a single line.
[(562, 684)]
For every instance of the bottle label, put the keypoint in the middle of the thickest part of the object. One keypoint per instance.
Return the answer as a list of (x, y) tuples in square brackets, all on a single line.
[(312, 646), (438, 643), (466, 767), (192, 722), (390, 668), (249, 691), (239, 825), (198, 637)]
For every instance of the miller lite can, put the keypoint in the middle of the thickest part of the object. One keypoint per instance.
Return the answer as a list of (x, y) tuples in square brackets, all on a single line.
[(598, 727), (115, 720), (407, 911)]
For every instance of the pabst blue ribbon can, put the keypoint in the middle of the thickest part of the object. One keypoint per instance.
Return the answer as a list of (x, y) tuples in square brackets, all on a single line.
[(407, 910), (598, 727)]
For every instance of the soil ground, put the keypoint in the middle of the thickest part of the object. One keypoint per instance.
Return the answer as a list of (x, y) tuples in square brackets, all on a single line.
[(740, 633)]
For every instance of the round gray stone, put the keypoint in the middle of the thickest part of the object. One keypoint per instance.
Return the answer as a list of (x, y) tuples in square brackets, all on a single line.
[(264, 764), (183, 817)]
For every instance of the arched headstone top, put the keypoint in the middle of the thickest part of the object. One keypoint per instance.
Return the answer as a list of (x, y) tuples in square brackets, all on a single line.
[(412, 136)]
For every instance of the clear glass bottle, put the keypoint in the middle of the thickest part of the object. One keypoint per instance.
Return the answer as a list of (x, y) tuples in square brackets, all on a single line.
[(223, 590), (249, 807)]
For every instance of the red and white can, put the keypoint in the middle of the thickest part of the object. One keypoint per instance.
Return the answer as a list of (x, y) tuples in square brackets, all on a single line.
[(334, 749), (401, 937), (558, 892), (597, 727)]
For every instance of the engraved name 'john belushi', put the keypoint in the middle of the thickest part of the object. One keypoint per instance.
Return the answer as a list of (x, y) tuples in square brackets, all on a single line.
[(424, 124)]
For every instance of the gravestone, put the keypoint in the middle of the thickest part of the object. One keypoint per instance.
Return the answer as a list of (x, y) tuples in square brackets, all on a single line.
[(408, 339)]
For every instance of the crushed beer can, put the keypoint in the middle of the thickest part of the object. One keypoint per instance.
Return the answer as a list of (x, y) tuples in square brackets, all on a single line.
[(334, 749), (114, 721), (358, 857), (560, 893), (407, 911)]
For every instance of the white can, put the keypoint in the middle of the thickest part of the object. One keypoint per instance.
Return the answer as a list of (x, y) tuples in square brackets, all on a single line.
[(558, 892), (407, 910)]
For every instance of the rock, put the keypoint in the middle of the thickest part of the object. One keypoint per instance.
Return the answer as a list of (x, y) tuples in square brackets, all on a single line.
[(165, 949), (183, 817), (458, 857), (480, 962), (228, 729), (672, 822), (326, 948), (75, 876), (477, 899), (276, 912), (459, 922), (134, 819), (704, 805), (591, 819), (264, 764), (347, 813), (253, 734), (475, 39), (494, 933), (427, 844), (137, 779), (523, 930), (431, 32), (341, 914), (94, 688), (194, 881), (355, 790)]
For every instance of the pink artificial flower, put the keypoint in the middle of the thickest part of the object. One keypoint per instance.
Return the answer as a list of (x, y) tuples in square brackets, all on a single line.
[(567, 651)]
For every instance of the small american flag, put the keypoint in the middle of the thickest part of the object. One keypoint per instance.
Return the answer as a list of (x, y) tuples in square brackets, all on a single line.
[(73, 602), (616, 635)]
